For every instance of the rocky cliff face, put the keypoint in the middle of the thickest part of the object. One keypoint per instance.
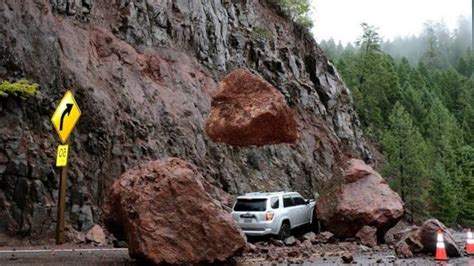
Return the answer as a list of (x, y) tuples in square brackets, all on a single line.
[(143, 73)]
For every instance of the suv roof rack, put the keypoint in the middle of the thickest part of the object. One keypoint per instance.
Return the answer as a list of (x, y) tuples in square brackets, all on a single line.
[(264, 193)]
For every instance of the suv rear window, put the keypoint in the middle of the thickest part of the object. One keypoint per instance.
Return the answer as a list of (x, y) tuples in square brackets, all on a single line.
[(250, 205)]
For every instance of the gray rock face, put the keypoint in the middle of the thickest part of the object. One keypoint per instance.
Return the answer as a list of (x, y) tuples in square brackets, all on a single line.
[(143, 73), (72, 7), (82, 216)]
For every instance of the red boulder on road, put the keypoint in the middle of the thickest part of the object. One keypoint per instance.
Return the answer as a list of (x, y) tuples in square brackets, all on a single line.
[(362, 198), (166, 212)]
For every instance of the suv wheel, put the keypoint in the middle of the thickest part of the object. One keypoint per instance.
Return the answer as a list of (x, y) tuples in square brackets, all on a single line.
[(284, 231)]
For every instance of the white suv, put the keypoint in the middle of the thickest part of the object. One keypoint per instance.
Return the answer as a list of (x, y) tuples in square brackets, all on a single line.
[(274, 213)]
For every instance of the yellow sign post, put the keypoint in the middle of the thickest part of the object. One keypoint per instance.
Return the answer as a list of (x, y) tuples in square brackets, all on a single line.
[(64, 120)]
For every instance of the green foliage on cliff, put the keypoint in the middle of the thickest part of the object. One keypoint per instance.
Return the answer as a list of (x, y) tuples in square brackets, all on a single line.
[(20, 88), (298, 11), (422, 116), (259, 32)]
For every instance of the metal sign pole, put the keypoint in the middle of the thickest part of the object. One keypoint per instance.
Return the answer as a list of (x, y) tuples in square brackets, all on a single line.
[(61, 204)]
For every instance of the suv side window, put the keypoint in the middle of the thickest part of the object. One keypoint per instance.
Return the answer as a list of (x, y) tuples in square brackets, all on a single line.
[(275, 202), (287, 201), (299, 200)]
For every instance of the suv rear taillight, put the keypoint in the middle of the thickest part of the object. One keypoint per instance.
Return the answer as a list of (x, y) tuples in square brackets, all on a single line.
[(269, 216)]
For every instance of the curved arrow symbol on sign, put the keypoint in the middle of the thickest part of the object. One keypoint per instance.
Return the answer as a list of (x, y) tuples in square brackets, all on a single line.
[(66, 111)]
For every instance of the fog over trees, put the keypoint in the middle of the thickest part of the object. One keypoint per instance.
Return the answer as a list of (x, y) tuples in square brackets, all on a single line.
[(452, 44)]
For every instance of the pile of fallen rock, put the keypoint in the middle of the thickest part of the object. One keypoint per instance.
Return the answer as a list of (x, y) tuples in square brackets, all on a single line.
[(422, 239), (308, 247), (168, 213)]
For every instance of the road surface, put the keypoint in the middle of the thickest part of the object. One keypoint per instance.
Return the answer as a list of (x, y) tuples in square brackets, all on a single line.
[(68, 256), (119, 256)]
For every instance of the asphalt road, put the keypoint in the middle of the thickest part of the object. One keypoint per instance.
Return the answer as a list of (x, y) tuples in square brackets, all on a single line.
[(119, 256), (97, 256), (81, 256)]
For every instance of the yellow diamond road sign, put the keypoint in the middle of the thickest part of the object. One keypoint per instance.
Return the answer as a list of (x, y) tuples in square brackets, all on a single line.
[(65, 117)]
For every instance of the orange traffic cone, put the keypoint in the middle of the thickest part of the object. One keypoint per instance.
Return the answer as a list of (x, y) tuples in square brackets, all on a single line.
[(469, 242), (440, 249)]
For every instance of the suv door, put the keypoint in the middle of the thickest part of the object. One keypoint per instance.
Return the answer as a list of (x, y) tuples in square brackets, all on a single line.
[(290, 210), (302, 209)]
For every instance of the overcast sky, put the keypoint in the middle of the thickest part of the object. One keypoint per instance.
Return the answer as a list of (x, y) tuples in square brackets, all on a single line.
[(341, 19)]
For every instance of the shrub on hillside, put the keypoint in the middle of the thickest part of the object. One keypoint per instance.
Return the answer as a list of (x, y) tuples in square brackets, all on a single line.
[(20, 88), (298, 11)]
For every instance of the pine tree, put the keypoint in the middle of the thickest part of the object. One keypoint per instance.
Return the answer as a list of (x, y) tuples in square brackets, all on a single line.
[(466, 163), (417, 80), (444, 134), (432, 58), (375, 82), (450, 84), (465, 66), (404, 70), (462, 106), (390, 83), (405, 151), (467, 124), (445, 138), (445, 199), (412, 100), (329, 48), (370, 40), (425, 74)]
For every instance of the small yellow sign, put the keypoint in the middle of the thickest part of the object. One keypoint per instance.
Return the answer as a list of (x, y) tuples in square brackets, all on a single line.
[(65, 117), (61, 158)]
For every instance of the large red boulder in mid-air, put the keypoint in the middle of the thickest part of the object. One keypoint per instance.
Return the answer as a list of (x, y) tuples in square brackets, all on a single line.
[(247, 110), (362, 198), (168, 214)]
